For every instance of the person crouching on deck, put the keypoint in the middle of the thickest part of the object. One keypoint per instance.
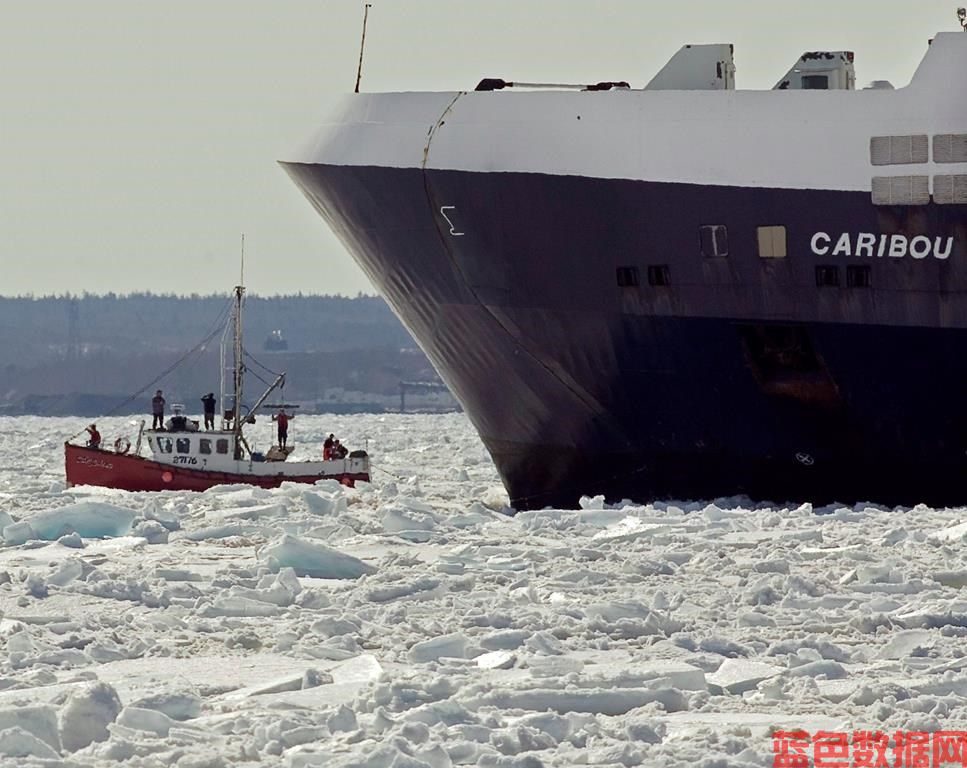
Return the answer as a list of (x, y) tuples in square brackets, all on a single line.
[(283, 420)]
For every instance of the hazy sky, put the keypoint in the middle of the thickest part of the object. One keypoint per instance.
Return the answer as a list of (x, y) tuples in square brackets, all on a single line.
[(138, 140)]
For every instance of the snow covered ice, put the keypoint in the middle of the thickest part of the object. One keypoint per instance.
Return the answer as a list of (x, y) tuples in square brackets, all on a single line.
[(412, 623)]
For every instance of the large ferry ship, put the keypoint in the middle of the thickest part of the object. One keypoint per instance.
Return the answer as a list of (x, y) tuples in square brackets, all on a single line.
[(682, 291)]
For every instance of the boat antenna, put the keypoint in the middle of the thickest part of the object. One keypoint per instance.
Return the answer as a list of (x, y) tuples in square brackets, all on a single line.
[(962, 17), (241, 271), (362, 46)]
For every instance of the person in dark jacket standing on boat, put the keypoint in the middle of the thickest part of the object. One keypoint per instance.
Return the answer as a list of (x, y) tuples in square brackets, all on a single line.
[(283, 420), (209, 402), (158, 411)]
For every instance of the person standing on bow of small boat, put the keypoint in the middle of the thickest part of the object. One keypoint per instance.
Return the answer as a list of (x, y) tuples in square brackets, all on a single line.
[(209, 402), (94, 437), (283, 420), (158, 411)]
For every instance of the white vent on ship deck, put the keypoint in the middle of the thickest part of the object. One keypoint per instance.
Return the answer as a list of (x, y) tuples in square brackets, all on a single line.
[(697, 68), (901, 190), (950, 148), (950, 190), (899, 150)]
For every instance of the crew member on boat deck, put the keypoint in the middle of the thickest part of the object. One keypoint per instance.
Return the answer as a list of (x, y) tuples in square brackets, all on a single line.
[(339, 451), (327, 448), (283, 419), (158, 410), (94, 440), (209, 402)]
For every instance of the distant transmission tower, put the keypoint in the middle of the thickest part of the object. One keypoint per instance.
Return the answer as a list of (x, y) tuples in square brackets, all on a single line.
[(73, 329)]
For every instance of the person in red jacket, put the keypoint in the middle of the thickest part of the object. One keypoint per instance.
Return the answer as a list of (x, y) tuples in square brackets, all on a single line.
[(282, 418), (327, 447)]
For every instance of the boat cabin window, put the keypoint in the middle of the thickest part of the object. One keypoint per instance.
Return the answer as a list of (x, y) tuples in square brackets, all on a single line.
[(772, 242), (221, 445), (204, 446), (151, 443), (164, 444), (183, 445), (714, 240)]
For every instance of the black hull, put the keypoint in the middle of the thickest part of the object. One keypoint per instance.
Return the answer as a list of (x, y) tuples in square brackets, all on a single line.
[(740, 376)]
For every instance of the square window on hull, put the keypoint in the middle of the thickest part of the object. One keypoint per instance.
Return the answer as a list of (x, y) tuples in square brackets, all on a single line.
[(627, 277), (772, 242), (827, 277), (221, 445), (659, 275), (714, 239), (859, 277)]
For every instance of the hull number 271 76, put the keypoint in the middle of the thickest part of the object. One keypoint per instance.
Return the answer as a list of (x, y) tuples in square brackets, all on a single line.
[(892, 246)]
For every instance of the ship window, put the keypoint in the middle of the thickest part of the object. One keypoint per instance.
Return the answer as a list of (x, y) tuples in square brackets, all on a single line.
[(772, 242), (659, 274), (901, 190), (815, 82), (950, 148), (900, 150), (151, 443), (164, 444), (205, 446), (221, 445), (715, 240), (183, 445), (827, 277), (950, 190), (627, 277), (859, 277)]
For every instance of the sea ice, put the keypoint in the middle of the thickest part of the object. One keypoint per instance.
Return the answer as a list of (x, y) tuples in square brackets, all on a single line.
[(314, 559), (409, 624), (85, 716), (89, 519)]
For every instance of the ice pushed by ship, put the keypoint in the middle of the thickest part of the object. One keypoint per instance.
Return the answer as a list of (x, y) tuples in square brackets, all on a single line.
[(641, 292)]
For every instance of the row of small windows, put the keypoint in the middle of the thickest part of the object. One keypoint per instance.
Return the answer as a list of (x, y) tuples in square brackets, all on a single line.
[(714, 241), (658, 274), (183, 445), (827, 276), (856, 276), (914, 150), (915, 190)]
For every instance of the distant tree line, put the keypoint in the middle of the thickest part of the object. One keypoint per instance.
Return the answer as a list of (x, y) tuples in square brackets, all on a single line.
[(111, 345)]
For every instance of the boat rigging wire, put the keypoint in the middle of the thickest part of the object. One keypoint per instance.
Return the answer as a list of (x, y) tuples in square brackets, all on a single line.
[(200, 346)]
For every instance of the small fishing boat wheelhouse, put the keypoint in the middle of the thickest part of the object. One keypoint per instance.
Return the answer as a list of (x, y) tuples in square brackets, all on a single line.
[(186, 459)]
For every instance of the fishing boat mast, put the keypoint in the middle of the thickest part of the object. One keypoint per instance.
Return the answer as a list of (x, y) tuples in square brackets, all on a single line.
[(239, 370)]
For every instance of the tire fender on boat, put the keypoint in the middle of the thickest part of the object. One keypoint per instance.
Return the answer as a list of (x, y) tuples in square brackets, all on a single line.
[(122, 445)]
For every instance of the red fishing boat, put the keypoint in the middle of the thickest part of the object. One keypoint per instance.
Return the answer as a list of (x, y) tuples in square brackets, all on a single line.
[(180, 457)]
